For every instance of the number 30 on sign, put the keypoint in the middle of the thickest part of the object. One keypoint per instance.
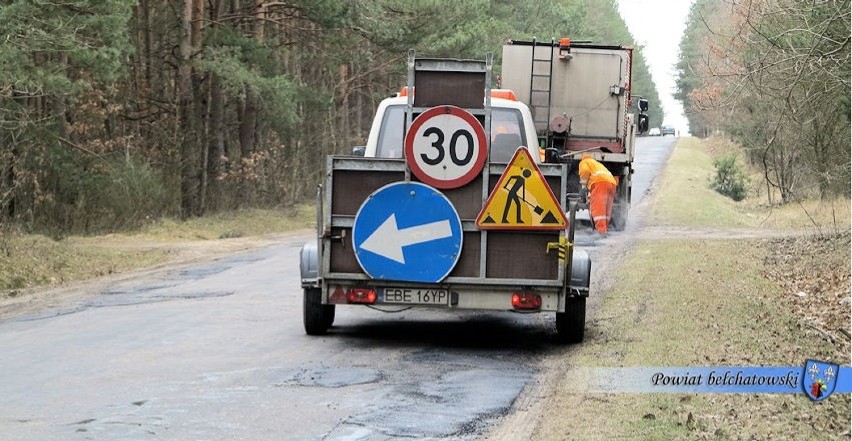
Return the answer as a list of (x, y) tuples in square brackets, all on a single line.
[(445, 147)]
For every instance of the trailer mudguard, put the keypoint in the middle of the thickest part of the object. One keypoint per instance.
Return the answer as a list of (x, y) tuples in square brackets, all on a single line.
[(308, 264), (581, 272)]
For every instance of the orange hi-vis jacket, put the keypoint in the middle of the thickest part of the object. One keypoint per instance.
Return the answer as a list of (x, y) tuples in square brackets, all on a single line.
[(592, 172)]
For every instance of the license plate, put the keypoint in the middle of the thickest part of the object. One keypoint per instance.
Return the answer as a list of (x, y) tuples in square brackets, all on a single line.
[(417, 296)]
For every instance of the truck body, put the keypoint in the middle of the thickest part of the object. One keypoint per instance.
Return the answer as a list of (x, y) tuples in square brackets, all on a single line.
[(580, 98), (515, 269)]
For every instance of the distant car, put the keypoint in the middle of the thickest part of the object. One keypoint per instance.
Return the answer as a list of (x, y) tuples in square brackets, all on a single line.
[(667, 130), (655, 131)]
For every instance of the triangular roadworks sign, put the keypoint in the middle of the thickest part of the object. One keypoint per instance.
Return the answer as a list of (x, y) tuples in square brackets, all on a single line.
[(521, 200)]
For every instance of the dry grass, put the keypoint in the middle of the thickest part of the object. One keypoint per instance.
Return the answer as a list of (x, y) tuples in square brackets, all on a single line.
[(231, 224), (813, 274), (710, 302), (35, 260), (697, 303), (28, 260)]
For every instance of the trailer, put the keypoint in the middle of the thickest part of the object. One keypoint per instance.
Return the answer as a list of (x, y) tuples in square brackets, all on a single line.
[(448, 208)]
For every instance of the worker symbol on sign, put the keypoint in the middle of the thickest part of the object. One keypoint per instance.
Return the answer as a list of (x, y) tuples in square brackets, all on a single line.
[(514, 198), (524, 199)]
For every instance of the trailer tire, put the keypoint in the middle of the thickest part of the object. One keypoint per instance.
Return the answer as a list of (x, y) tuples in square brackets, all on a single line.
[(571, 324), (317, 317)]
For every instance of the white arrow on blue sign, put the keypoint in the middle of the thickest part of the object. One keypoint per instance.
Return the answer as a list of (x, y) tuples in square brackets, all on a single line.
[(407, 231)]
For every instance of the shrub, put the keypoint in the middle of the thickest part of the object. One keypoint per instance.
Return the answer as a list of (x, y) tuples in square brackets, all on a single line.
[(730, 179), (89, 194)]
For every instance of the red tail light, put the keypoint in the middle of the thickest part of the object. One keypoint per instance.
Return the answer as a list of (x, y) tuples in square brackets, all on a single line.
[(525, 300), (361, 295)]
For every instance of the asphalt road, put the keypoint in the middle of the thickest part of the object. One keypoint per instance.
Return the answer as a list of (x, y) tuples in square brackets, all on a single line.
[(217, 351)]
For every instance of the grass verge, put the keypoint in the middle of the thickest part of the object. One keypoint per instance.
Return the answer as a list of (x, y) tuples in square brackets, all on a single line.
[(712, 302), (34, 260), (231, 224), (697, 303), (684, 197), (28, 260)]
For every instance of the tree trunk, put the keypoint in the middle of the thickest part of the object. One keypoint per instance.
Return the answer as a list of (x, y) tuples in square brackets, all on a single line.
[(190, 43), (147, 38), (216, 144), (248, 118), (216, 130), (248, 123), (7, 178)]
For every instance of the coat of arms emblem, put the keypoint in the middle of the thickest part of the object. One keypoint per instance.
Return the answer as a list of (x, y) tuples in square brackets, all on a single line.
[(820, 379)]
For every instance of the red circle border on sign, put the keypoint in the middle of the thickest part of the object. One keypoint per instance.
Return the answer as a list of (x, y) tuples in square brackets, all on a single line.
[(421, 119)]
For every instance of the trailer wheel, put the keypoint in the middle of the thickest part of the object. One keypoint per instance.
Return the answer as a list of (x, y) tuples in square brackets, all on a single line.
[(571, 324), (317, 317)]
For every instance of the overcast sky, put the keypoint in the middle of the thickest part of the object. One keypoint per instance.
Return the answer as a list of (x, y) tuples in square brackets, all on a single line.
[(658, 26)]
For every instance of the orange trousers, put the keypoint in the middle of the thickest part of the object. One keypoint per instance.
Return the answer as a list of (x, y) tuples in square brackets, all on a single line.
[(601, 196)]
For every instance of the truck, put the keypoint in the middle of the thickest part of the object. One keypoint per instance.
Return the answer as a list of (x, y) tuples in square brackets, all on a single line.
[(448, 205), (580, 98)]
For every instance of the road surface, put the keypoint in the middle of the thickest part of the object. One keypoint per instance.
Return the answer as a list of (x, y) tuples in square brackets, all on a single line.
[(217, 351)]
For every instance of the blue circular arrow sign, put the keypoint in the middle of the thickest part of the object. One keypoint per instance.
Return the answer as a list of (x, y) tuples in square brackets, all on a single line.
[(407, 231)]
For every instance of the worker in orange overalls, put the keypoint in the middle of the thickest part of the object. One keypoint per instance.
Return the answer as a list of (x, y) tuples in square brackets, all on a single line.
[(601, 185)]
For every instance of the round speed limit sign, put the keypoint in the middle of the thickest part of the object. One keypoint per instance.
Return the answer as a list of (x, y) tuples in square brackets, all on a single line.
[(445, 147)]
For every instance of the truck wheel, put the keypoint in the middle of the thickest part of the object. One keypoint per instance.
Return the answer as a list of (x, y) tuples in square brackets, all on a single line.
[(571, 324), (618, 222), (317, 317)]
